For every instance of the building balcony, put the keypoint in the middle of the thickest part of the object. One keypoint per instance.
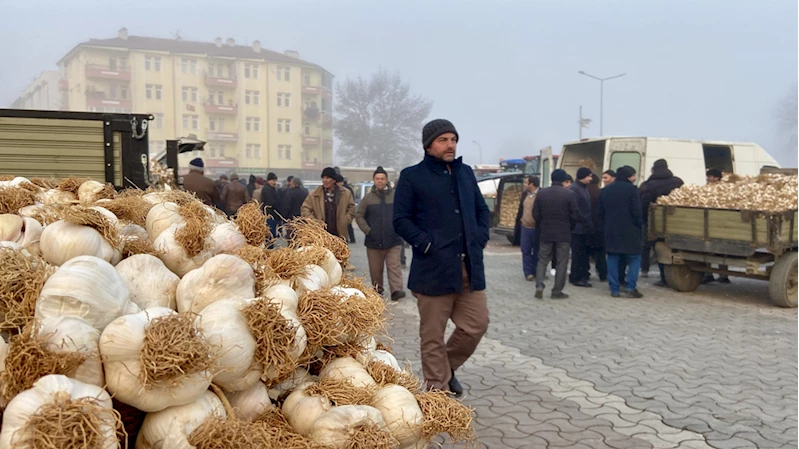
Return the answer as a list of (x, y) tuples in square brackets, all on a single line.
[(99, 100), (311, 90), (327, 121), (218, 136), (219, 81), (308, 140), (94, 71), (327, 144), (311, 114), (221, 109), (316, 166)]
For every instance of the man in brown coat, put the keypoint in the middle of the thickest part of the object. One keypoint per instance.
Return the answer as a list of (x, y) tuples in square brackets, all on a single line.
[(200, 185), (331, 204), (234, 195)]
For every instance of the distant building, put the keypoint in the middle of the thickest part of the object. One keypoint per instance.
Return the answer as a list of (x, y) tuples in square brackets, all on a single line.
[(257, 109), (41, 93)]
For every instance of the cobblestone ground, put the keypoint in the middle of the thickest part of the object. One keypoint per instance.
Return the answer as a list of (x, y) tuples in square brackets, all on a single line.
[(712, 369)]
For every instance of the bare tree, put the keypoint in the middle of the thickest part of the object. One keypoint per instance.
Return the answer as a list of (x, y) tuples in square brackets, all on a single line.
[(379, 121), (788, 116)]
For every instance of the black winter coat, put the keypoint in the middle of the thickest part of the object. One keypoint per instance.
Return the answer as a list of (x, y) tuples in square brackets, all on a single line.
[(585, 225), (292, 202), (661, 183), (269, 199), (620, 211), (374, 217), (555, 213), (440, 211)]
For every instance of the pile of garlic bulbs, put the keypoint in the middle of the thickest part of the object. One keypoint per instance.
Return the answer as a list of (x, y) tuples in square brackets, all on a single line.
[(197, 332), (767, 193)]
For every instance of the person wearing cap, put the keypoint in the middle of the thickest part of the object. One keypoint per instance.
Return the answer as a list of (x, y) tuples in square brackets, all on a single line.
[(234, 195), (580, 269), (608, 176), (383, 246), (200, 185), (525, 227), (440, 212), (660, 183), (259, 186), (713, 176), (269, 202), (620, 212), (331, 204), (556, 215)]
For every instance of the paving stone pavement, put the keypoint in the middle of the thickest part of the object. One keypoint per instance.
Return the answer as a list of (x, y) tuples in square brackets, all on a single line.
[(716, 368)]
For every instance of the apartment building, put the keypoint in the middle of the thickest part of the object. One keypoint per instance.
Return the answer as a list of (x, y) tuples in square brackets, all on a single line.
[(42, 93), (258, 110)]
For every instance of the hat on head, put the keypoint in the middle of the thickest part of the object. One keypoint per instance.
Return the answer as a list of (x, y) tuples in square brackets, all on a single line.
[(559, 176), (436, 128), (625, 172), (234, 177), (714, 172), (329, 172), (271, 176), (660, 163), (259, 180), (289, 178), (583, 172), (339, 178), (378, 171), (196, 164)]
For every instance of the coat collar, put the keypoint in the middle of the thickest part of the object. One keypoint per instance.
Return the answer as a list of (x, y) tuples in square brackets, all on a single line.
[(439, 164)]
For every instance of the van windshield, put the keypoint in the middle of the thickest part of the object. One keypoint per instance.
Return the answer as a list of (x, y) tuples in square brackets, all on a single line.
[(584, 154)]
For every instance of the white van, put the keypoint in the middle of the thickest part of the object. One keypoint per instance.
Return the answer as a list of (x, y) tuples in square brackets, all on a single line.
[(688, 159)]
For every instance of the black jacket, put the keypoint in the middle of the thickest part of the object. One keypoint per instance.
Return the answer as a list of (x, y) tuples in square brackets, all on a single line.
[(620, 211), (584, 226), (375, 218), (661, 183), (555, 213), (269, 199), (440, 211), (292, 202)]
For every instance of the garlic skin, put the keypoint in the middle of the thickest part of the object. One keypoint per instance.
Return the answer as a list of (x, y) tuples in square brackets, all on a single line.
[(55, 196), (226, 238), (315, 278), (24, 231), (402, 414), (130, 231), (174, 256), (347, 368), (88, 191), (160, 217), (46, 390), (337, 425), (378, 355), (330, 264), (30, 211), (62, 241), (67, 334), (121, 344), (3, 354), (150, 282), (251, 403), (171, 427), (11, 228), (221, 277), (283, 296), (300, 341), (299, 377), (302, 411), (16, 182), (86, 287), (227, 330)]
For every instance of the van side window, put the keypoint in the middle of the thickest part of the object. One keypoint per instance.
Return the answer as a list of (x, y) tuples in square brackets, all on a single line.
[(718, 157), (621, 158)]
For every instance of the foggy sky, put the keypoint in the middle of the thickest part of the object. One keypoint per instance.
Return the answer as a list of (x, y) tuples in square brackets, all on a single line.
[(504, 72)]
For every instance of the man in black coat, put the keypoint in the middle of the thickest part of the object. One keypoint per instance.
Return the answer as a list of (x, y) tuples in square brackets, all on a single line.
[(582, 231), (269, 202), (620, 212), (555, 213), (660, 183), (440, 211), (251, 185)]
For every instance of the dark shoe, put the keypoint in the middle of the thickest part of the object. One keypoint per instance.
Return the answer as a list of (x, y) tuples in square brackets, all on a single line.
[(530, 277), (455, 386), (539, 293), (603, 279), (724, 280), (582, 284), (623, 289), (559, 296), (644, 274), (708, 279), (634, 294), (380, 291), (397, 295), (614, 295), (660, 284)]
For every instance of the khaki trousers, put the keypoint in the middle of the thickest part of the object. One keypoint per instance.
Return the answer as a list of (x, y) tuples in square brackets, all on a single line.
[(391, 259), (469, 311)]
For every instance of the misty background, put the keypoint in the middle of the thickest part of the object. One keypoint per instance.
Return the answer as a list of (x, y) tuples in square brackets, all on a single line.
[(505, 72)]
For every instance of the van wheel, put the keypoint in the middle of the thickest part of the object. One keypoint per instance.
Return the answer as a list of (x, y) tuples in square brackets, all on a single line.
[(682, 278), (782, 284)]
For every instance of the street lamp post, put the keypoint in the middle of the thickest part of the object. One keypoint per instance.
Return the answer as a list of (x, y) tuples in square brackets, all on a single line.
[(480, 148), (601, 93)]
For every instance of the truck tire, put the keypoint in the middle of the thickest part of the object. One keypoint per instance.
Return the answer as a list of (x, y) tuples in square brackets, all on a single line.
[(682, 278), (783, 280)]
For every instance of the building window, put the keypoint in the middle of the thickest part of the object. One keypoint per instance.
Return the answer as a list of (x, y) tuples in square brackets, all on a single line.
[(188, 66), (123, 92), (253, 151), (307, 130), (216, 97), (253, 124), (306, 79), (159, 121), (189, 94), (185, 93), (157, 63), (212, 150), (222, 151), (255, 74), (112, 63), (191, 120), (153, 91), (283, 125), (287, 152), (152, 63), (256, 97), (280, 152), (252, 97), (185, 122), (112, 91), (217, 124), (247, 75), (283, 73), (148, 91), (284, 99), (251, 71), (148, 63)]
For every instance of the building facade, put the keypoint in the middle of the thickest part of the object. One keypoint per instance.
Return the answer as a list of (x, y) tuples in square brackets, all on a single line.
[(258, 110), (42, 93)]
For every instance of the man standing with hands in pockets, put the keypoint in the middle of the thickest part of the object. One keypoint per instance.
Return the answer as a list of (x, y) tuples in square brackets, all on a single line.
[(440, 211)]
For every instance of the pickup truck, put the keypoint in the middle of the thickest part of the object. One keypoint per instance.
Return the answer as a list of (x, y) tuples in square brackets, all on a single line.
[(692, 241)]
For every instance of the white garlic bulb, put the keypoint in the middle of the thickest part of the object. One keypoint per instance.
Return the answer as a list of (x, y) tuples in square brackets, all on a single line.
[(251, 403), (121, 344), (314, 278), (348, 369), (227, 330), (56, 389), (170, 428), (162, 216), (174, 255), (302, 411), (22, 230), (378, 355), (55, 196), (221, 277), (335, 428), (61, 241), (402, 414), (86, 287), (299, 377), (330, 264), (150, 282), (89, 191), (68, 334), (283, 296), (226, 238)]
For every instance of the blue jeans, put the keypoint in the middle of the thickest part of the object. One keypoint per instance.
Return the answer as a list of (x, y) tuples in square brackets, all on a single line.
[(272, 224), (633, 266), (529, 251)]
